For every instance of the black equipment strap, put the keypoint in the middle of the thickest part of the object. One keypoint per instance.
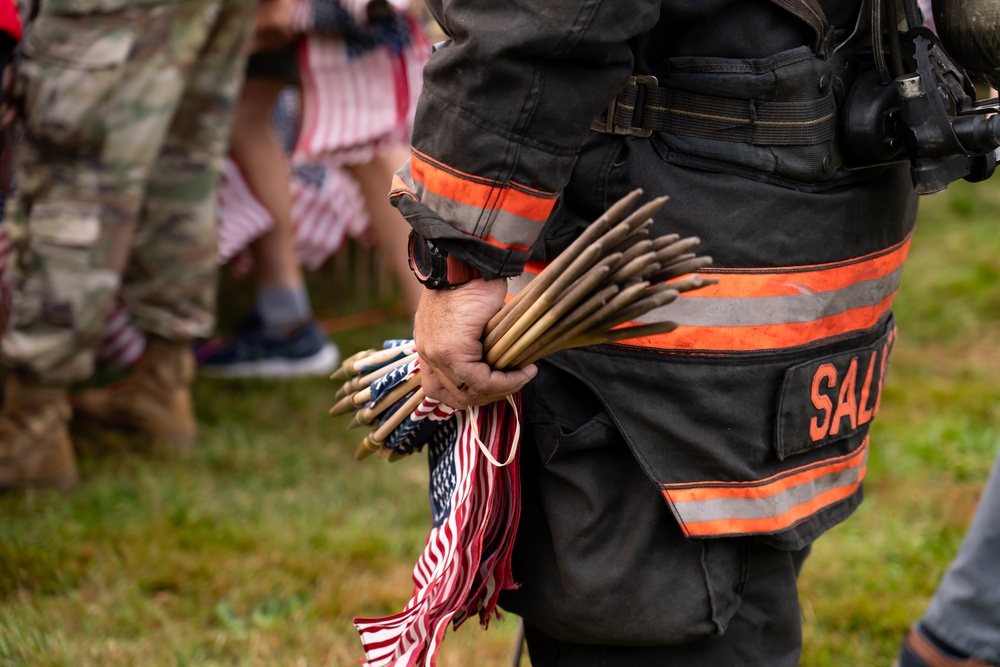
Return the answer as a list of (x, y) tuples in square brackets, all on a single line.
[(813, 15), (642, 108)]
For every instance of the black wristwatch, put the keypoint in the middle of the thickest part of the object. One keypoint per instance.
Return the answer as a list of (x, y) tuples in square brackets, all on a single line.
[(434, 267)]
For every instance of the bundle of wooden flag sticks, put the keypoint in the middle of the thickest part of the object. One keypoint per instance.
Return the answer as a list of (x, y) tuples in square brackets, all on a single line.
[(592, 293)]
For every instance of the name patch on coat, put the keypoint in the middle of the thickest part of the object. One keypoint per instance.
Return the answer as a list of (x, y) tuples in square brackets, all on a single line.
[(831, 398)]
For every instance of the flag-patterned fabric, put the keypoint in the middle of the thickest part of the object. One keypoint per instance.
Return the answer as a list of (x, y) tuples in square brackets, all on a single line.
[(474, 497)]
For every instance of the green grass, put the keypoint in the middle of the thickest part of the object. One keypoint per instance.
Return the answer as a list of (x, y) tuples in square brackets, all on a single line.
[(262, 547)]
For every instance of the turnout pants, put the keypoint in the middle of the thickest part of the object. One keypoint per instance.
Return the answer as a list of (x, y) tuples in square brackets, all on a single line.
[(607, 578)]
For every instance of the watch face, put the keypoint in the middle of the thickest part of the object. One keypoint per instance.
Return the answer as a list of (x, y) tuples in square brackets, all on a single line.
[(424, 258)]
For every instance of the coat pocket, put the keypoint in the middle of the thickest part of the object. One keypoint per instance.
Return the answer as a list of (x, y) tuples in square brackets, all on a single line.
[(68, 77)]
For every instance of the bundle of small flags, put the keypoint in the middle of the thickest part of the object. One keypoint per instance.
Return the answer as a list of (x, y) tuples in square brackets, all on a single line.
[(592, 293)]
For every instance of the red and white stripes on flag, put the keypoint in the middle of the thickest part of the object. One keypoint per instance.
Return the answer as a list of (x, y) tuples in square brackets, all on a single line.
[(475, 492), (354, 106), (327, 207), (122, 343)]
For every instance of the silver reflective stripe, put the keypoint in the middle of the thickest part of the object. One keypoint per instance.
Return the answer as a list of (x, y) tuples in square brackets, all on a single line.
[(502, 227), (766, 506), (692, 310)]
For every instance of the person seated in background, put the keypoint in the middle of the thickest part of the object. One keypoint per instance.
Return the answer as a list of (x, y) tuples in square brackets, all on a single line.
[(345, 115), (280, 338)]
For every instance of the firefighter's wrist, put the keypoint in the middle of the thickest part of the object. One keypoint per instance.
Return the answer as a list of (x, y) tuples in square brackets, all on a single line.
[(434, 267)]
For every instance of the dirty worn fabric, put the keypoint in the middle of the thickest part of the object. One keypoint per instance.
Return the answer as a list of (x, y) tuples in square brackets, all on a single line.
[(126, 120)]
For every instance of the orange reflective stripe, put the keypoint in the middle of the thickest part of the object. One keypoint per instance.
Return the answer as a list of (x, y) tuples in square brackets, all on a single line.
[(685, 493), (496, 243), (736, 526), (767, 337), (474, 191), (399, 187), (769, 505), (755, 310), (735, 283)]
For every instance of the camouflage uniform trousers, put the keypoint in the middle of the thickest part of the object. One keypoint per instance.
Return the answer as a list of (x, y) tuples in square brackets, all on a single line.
[(126, 118)]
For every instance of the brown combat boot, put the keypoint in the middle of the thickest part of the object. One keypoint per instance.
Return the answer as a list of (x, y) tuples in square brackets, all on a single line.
[(155, 400), (35, 449)]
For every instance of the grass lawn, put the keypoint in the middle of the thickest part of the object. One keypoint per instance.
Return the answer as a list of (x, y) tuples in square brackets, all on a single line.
[(262, 547)]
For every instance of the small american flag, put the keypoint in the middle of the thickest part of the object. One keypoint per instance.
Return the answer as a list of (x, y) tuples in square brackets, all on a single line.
[(474, 492)]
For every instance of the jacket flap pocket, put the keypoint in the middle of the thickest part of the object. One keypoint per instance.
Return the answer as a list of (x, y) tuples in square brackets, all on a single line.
[(830, 398)]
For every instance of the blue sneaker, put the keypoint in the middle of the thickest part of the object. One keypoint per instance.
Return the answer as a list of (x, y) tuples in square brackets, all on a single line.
[(249, 353)]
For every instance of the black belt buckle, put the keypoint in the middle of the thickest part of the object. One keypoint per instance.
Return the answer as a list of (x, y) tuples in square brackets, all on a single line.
[(608, 125)]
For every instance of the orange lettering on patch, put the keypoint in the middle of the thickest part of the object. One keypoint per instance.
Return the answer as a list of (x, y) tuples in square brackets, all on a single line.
[(828, 374), (864, 413), (847, 403), (885, 361)]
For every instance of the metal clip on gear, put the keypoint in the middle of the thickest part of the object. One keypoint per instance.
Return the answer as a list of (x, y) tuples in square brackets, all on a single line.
[(926, 111)]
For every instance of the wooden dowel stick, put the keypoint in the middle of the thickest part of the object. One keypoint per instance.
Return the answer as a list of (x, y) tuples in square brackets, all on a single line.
[(343, 406), (393, 421), (638, 235), (668, 253), (680, 268), (542, 303), (362, 396), (614, 335), (368, 415), (380, 357), (573, 296), (650, 329), (626, 296), (691, 282), (630, 252), (365, 449), (655, 297), (660, 242), (639, 266), (590, 234), (558, 331), (346, 370), (363, 381), (642, 215)]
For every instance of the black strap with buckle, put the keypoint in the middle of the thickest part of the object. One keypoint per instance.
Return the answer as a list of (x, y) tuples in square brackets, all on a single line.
[(642, 107), (620, 116)]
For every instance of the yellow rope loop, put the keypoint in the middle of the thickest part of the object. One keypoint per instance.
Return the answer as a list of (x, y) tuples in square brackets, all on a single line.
[(473, 413)]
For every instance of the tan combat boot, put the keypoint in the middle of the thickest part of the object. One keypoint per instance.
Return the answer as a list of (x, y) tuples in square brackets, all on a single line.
[(35, 449), (154, 401)]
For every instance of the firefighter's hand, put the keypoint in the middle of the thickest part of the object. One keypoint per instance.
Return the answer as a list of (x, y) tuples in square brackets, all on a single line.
[(448, 330)]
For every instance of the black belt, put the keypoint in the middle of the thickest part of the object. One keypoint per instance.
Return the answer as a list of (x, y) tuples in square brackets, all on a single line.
[(643, 107)]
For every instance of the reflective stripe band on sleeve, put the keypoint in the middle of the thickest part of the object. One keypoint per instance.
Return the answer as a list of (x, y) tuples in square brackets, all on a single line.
[(752, 310), (506, 215), (716, 509)]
